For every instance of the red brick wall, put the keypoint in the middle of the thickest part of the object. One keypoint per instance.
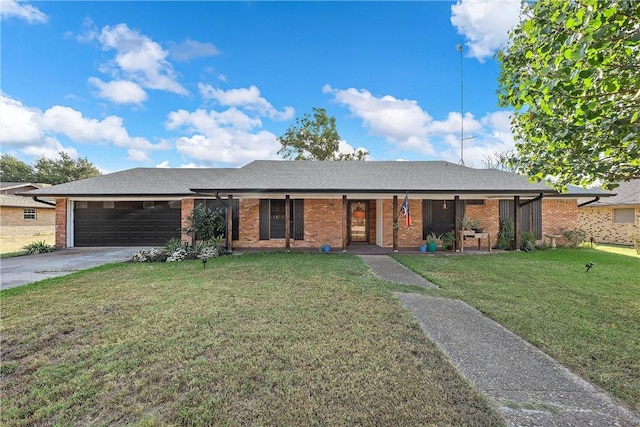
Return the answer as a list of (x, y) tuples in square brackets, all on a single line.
[(559, 215), (61, 223), (186, 209), (407, 237), (322, 224)]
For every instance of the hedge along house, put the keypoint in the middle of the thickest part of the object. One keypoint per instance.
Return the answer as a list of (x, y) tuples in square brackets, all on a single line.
[(305, 204)]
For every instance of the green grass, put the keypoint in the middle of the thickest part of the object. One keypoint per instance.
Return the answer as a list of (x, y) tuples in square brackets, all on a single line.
[(589, 321), (270, 340)]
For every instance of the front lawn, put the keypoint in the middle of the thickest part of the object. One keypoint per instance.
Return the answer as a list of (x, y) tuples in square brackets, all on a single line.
[(272, 340), (589, 321)]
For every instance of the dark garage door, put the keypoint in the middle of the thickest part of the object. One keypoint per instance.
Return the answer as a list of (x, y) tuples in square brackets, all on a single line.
[(126, 223)]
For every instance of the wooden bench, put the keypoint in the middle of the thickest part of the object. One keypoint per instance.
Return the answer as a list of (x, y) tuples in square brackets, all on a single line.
[(474, 235)]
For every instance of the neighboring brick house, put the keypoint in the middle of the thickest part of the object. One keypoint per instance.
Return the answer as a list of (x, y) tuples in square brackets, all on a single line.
[(303, 204), (611, 220), (21, 216)]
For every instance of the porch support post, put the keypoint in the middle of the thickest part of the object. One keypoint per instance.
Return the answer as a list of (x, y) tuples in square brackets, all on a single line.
[(395, 223), (229, 240), (287, 222), (456, 223), (345, 223), (517, 223)]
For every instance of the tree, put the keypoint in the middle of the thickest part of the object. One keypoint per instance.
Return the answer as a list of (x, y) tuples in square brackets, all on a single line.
[(14, 170), (504, 161), (64, 169), (315, 139), (572, 73)]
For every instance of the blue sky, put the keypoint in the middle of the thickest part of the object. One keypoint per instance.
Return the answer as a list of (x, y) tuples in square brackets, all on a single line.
[(202, 84)]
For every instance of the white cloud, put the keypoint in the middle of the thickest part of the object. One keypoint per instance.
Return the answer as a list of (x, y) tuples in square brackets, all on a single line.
[(485, 24), (140, 59), (228, 146), (222, 137), (50, 149), (22, 10), (34, 131), (248, 98), (119, 91), (208, 121), (401, 121), (19, 125), (190, 49), (407, 126), (163, 164), (345, 148)]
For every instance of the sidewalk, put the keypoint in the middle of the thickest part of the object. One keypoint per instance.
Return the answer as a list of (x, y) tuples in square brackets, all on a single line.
[(528, 387)]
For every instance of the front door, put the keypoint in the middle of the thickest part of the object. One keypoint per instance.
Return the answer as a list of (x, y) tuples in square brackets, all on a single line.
[(358, 221)]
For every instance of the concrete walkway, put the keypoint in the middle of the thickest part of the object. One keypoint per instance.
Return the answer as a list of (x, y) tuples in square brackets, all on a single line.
[(527, 386), (386, 268)]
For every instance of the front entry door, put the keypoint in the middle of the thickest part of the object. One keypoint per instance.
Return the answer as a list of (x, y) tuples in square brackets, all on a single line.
[(358, 222)]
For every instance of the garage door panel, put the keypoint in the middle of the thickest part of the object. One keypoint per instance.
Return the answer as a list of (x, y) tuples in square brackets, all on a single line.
[(125, 224)]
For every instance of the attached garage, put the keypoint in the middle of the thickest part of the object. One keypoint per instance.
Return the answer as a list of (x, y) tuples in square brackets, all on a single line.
[(125, 223)]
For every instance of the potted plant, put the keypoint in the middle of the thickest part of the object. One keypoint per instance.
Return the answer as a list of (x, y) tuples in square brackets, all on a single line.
[(468, 224), (423, 247), (432, 240), (327, 247), (448, 241)]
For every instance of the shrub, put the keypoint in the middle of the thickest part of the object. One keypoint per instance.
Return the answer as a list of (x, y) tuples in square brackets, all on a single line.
[(178, 255), (38, 247), (574, 237), (150, 255), (205, 223), (173, 245), (506, 233)]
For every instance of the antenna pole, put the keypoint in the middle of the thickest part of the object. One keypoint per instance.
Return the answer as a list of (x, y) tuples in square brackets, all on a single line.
[(459, 47)]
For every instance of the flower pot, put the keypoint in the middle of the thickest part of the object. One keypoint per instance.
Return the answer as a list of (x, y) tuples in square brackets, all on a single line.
[(432, 246), (423, 248), (327, 248)]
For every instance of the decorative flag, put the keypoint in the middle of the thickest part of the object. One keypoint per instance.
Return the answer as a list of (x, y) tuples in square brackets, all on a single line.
[(405, 210)]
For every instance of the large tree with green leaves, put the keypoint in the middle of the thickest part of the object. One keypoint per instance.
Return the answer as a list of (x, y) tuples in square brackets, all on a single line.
[(63, 169), (315, 138), (572, 73), (14, 170)]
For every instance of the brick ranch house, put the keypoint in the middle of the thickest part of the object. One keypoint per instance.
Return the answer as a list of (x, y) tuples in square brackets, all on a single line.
[(304, 204), (20, 216), (610, 220)]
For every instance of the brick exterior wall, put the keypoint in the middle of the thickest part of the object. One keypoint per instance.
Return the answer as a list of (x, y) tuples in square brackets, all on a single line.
[(598, 223), (13, 223), (61, 223), (323, 222), (186, 208)]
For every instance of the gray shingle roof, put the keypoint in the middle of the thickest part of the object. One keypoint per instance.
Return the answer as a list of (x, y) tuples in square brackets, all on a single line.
[(627, 194), (277, 176), (371, 176), (22, 202), (136, 182)]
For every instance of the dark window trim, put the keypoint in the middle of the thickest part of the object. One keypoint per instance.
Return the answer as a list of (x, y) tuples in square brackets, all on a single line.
[(267, 217)]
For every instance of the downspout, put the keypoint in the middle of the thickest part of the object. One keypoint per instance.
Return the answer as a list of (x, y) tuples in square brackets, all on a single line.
[(589, 202), (535, 199), (35, 199)]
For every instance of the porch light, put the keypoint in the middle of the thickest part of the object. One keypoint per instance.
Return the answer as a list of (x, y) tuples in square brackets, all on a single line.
[(444, 205)]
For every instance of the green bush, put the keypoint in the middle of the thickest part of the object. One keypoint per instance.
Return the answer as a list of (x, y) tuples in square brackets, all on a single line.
[(506, 233), (574, 237), (38, 247)]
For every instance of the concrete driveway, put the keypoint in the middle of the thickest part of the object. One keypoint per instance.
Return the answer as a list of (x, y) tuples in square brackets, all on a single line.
[(21, 270)]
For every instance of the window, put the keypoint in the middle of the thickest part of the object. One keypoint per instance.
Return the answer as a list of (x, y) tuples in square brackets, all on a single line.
[(29, 214), (272, 219), (624, 216)]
